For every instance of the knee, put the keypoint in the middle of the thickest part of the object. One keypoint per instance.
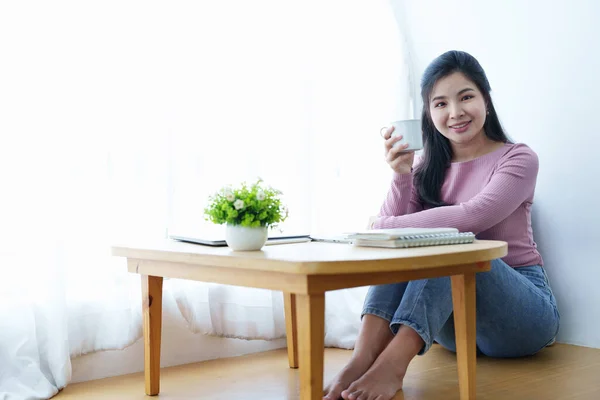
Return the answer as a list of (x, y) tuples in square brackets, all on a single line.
[(497, 267)]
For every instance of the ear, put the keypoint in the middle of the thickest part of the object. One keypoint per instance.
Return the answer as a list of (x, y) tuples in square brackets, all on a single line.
[(488, 101)]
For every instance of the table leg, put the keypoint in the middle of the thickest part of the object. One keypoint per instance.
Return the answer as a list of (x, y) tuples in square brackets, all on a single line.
[(311, 344), (291, 328), (463, 299), (152, 311)]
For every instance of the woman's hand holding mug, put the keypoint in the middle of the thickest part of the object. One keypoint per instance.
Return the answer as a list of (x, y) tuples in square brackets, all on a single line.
[(397, 157)]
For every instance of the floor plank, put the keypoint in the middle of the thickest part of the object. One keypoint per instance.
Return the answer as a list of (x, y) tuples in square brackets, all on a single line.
[(559, 372)]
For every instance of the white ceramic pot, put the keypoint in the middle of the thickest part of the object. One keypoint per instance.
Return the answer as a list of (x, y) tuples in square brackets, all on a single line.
[(242, 238)]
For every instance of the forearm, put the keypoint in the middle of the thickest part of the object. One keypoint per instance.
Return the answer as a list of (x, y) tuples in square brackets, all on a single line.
[(462, 217), (401, 198)]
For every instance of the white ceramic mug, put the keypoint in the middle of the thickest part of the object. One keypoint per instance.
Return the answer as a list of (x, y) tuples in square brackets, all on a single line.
[(411, 131)]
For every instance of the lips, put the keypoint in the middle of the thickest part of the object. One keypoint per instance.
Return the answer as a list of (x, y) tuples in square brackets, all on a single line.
[(460, 128)]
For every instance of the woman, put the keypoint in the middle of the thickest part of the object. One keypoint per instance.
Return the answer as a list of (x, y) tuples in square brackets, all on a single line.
[(473, 178)]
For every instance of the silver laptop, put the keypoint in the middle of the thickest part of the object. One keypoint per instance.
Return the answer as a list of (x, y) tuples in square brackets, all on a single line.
[(214, 235), (220, 241), (330, 238)]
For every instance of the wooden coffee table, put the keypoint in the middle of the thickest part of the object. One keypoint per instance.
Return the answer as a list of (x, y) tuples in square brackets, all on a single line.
[(304, 272)]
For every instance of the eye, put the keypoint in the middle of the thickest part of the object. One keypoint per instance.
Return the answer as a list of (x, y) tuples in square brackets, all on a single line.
[(440, 104), (468, 97)]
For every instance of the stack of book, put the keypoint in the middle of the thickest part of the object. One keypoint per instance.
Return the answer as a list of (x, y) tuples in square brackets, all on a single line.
[(410, 237)]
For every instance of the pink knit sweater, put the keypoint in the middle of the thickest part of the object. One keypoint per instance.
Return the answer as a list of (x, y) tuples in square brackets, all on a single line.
[(490, 196)]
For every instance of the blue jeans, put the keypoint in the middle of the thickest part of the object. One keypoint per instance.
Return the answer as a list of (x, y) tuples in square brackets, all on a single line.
[(516, 310)]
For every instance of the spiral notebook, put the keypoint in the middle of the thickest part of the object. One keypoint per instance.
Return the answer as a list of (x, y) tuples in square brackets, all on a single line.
[(410, 237)]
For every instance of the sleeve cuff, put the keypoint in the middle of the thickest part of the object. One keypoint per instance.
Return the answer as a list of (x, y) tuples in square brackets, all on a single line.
[(402, 178)]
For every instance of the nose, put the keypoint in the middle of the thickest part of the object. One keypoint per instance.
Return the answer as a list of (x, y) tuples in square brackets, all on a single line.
[(456, 111)]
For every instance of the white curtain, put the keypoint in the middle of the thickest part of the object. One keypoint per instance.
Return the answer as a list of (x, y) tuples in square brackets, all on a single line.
[(119, 118)]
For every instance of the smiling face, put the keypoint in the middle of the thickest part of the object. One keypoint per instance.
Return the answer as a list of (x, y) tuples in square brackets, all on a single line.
[(458, 109)]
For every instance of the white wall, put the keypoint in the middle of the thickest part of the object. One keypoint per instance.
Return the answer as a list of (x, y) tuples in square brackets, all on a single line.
[(543, 62)]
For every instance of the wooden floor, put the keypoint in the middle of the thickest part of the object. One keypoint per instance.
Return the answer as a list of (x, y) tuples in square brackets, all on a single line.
[(559, 372)]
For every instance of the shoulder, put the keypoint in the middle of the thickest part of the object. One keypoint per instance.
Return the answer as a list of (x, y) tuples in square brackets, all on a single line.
[(518, 161), (519, 154)]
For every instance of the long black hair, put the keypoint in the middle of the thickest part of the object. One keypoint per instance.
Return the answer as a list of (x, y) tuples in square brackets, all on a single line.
[(437, 152)]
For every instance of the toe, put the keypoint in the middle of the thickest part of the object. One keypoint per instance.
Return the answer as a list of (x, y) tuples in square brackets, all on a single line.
[(350, 390), (355, 395), (363, 396), (334, 392)]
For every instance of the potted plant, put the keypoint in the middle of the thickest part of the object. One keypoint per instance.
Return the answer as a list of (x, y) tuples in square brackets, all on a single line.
[(248, 211)]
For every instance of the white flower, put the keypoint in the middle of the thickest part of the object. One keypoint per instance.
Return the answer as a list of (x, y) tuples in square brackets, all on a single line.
[(260, 196), (239, 204), (229, 194)]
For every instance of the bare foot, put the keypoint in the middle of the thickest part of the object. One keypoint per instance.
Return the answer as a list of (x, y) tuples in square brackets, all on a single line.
[(351, 372), (382, 381), (374, 337)]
